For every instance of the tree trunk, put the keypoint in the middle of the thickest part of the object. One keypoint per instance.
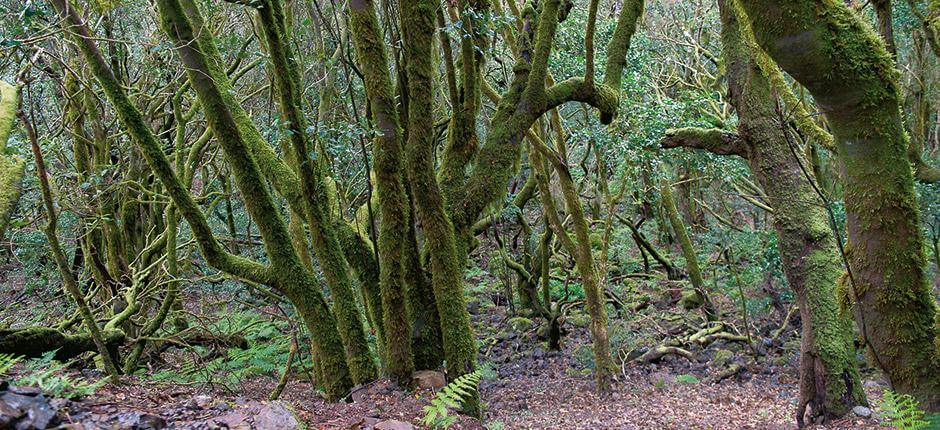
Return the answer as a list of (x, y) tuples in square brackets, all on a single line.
[(840, 60)]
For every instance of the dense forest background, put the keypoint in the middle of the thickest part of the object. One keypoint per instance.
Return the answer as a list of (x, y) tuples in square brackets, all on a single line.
[(470, 213)]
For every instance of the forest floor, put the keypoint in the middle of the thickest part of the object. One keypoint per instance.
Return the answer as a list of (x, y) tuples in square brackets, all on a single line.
[(526, 386)]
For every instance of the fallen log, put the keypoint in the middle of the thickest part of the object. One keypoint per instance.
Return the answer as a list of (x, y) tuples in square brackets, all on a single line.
[(33, 342)]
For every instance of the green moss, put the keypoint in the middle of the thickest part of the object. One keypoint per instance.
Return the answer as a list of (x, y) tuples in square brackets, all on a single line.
[(11, 169), (8, 105), (393, 205)]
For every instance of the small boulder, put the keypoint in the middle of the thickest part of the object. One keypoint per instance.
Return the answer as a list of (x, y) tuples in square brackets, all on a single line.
[(691, 300), (366, 423), (35, 411), (394, 425), (140, 421), (862, 411), (200, 402), (429, 379), (232, 420), (276, 416), (579, 319), (520, 324), (473, 306), (722, 358)]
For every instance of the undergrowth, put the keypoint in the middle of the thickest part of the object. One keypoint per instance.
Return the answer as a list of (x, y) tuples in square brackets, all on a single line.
[(437, 414), (266, 353)]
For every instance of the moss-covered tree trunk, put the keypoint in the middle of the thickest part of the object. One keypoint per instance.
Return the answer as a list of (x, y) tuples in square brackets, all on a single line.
[(11, 168), (830, 50), (58, 254), (698, 297), (418, 19), (393, 203), (313, 189), (829, 381)]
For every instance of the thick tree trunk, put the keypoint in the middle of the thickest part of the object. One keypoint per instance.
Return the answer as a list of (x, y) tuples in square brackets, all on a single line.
[(440, 241), (393, 203), (842, 62), (11, 168)]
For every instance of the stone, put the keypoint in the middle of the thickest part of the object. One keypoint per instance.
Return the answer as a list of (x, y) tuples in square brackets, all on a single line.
[(360, 393), (36, 411), (579, 319), (200, 402), (25, 391), (691, 300), (140, 421), (276, 416), (394, 425), (429, 379), (473, 306), (9, 414), (722, 358), (233, 420), (862, 411), (520, 323), (366, 423)]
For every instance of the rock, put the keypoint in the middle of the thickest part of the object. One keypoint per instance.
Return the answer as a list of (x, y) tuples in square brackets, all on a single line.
[(520, 323), (140, 421), (691, 300), (233, 420), (871, 384), (9, 414), (473, 306), (276, 416), (722, 358), (862, 411), (394, 425), (366, 423), (35, 411), (25, 391), (359, 393), (200, 402), (579, 319), (429, 379)]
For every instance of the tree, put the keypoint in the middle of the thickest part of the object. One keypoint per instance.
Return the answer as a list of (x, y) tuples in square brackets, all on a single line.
[(829, 380), (828, 49)]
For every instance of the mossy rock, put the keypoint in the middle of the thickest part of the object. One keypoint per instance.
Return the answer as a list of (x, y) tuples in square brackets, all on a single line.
[(520, 324), (579, 319), (722, 358), (691, 300)]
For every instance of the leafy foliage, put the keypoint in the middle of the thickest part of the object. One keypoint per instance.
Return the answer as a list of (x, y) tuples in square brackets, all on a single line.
[(437, 414), (6, 362), (267, 352), (903, 411), (48, 375)]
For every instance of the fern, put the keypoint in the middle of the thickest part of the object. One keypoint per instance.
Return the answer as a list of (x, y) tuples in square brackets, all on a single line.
[(267, 352), (48, 375), (6, 362), (437, 414), (902, 411)]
